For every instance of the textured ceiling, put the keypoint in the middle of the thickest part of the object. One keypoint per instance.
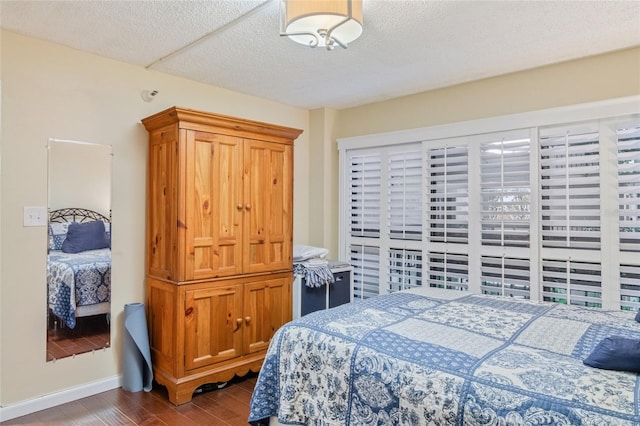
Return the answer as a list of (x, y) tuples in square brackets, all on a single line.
[(407, 46)]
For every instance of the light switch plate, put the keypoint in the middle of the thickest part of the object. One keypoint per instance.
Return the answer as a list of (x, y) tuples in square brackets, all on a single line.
[(35, 216)]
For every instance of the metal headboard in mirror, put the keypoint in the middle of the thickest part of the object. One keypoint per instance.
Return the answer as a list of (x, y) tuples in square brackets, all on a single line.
[(76, 214)]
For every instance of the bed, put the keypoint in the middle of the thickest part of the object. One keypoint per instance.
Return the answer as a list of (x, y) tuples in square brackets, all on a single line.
[(78, 264), (445, 357)]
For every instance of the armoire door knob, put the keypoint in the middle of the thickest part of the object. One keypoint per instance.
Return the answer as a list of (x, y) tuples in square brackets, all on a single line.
[(238, 324)]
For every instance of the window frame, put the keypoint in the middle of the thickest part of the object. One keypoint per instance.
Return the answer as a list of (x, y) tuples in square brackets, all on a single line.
[(605, 111)]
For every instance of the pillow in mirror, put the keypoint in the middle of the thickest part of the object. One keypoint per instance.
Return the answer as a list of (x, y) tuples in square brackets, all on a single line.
[(85, 236), (57, 234)]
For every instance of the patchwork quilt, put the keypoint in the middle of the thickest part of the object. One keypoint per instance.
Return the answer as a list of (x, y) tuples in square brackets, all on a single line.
[(77, 279), (446, 358)]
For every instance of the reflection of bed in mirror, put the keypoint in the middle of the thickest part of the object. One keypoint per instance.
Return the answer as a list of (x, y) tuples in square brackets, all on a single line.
[(78, 264)]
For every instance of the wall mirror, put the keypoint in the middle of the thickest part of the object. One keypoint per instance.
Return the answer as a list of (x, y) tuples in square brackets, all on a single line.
[(78, 248)]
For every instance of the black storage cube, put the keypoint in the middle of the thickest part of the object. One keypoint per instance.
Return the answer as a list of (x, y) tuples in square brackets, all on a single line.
[(312, 299), (339, 291)]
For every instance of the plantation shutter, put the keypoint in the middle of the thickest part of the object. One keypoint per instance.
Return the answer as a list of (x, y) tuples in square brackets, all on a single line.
[(630, 287), (405, 269), (570, 187), (506, 191), (449, 271), (448, 192), (364, 199), (575, 283), (505, 276), (571, 238), (629, 187), (404, 207), (365, 261)]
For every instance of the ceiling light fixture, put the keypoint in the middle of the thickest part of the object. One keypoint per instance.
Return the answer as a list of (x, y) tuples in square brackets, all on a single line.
[(324, 23)]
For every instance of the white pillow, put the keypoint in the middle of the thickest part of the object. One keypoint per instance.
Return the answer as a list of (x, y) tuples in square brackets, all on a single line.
[(57, 234), (302, 252)]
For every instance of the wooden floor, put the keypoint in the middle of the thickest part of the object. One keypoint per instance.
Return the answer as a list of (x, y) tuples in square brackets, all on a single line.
[(89, 334), (228, 406)]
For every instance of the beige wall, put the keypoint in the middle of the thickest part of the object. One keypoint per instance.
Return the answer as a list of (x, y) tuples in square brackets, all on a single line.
[(79, 175), (52, 91), (591, 79), (323, 184)]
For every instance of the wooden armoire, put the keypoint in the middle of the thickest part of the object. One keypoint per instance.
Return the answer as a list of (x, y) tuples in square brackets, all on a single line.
[(218, 245)]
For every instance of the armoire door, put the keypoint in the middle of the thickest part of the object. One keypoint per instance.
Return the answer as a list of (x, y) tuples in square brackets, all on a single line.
[(212, 207), (268, 197), (213, 325), (162, 260), (267, 306)]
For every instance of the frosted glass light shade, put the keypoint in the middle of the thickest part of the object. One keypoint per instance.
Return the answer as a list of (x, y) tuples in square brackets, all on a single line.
[(306, 18)]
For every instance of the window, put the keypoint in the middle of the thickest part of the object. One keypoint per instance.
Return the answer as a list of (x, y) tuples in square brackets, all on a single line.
[(448, 197), (386, 211), (404, 209), (405, 269), (575, 283), (522, 206), (364, 202), (630, 287), (506, 192), (570, 177), (505, 218), (366, 278), (629, 187), (449, 271), (504, 276)]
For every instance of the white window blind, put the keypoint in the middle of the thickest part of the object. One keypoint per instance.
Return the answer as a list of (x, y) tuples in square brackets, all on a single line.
[(365, 261), (448, 194), (404, 208), (570, 187), (506, 192), (555, 216), (364, 200), (405, 269), (629, 187), (630, 287), (448, 270), (504, 276), (575, 283)]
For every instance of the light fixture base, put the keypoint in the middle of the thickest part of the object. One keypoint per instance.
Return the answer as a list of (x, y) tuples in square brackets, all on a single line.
[(324, 23)]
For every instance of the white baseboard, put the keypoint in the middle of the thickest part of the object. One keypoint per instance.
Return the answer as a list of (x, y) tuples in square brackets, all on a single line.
[(47, 401)]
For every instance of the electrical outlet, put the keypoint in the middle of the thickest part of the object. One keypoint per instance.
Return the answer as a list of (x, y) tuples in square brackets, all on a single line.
[(35, 216)]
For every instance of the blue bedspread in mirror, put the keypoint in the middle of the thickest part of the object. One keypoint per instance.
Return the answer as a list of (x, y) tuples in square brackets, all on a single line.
[(446, 358), (77, 280)]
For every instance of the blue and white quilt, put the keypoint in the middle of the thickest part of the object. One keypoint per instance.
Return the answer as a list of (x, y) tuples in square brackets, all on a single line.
[(446, 358), (77, 279)]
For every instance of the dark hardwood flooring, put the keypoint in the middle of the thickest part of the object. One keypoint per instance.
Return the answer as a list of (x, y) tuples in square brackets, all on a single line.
[(90, 333), (228, 406)]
